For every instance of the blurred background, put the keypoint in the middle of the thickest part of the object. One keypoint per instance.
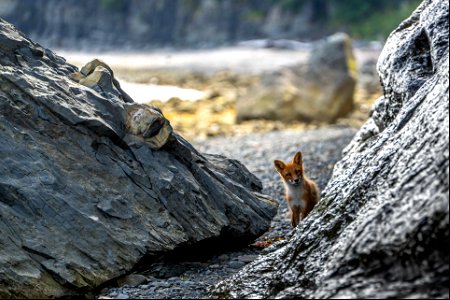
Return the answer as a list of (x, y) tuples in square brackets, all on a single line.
[(221, 67)]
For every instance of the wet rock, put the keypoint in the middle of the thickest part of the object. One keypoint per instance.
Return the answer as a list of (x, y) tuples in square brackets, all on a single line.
[(319, 90), (381, 229), (84, 195)]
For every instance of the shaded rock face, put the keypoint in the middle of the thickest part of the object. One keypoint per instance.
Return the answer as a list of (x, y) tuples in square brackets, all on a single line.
[(83, 197), (319, 90), (382, 227)]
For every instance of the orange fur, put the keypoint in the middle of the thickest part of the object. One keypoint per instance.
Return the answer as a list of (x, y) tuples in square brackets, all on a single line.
[(302, 193)]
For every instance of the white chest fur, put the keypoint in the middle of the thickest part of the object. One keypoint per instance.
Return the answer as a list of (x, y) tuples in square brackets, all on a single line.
[(296, 192)]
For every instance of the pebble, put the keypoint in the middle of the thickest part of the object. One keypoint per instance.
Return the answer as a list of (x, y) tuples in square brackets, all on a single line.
[(133, 280), (235, 264), (247, 258), (191, 280), (223, 257), (122, 296), (214, 266)]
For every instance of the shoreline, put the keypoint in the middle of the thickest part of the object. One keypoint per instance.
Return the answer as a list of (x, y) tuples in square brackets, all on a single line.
[(242, 60)]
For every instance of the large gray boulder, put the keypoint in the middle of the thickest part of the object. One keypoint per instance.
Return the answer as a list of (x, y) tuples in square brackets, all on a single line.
[(381, 229), (321, 89), (84, 192)]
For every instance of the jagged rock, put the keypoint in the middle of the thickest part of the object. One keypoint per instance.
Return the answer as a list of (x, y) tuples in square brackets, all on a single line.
[(319, 90), (381, 229), (144, 121), (98, 75), (148, 123), (85, 195)]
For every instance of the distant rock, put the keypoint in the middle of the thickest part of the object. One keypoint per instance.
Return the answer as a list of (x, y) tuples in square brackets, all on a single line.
[(381, 229), (368, 78), (319, 90), (84, 193)]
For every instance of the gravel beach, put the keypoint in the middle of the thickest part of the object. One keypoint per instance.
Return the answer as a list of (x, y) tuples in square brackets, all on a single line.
[(191, 277)]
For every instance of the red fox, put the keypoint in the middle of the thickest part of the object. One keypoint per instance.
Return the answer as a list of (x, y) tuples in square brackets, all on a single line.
[(302, 193)]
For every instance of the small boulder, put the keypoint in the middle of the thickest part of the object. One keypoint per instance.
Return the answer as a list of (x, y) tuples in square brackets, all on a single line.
[(319, 90)]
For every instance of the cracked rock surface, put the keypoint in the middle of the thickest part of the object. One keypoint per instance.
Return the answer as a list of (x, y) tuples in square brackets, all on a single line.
[(381, 229), (82, 201)]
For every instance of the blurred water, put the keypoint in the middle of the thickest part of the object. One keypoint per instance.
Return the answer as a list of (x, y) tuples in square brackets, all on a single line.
[(143, 93), (237, 59)]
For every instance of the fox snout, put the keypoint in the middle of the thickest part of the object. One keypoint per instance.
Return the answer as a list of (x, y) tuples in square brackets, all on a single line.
[(295, 181)]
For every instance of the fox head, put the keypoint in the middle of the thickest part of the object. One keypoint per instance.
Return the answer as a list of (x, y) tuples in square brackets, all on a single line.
[(291, 172)]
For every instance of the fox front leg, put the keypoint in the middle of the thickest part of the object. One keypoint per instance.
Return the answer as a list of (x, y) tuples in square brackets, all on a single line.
[(295, 216)]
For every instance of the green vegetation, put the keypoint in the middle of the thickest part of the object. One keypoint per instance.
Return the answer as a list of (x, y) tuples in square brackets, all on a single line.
[(292, 5), (204, 23), (368, 19), (371, 19), (114, 5), (381, 23), (254, 16)]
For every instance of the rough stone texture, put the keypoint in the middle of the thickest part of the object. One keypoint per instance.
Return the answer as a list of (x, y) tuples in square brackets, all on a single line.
[(191, 279), (144, 122), (82, 200), (319, 90), (381, 229), (97, 71)]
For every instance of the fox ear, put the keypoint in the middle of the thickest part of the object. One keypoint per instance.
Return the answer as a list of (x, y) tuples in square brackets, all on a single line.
[(279, 165), (298, 158)]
